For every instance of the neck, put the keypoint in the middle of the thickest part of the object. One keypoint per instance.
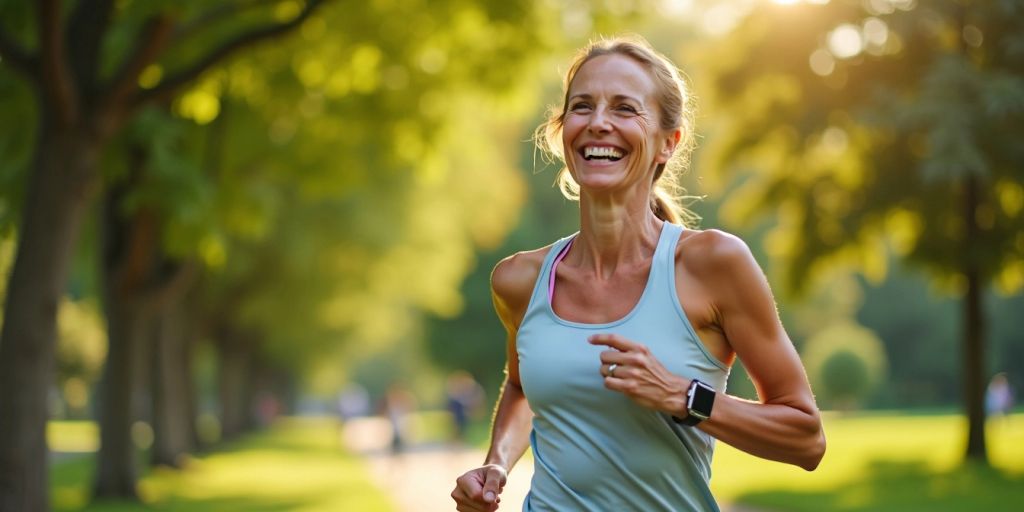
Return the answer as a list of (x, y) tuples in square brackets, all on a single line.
[(615, 233)]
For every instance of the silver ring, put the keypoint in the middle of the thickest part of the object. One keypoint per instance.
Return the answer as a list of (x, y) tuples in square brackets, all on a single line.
[(611, 369)]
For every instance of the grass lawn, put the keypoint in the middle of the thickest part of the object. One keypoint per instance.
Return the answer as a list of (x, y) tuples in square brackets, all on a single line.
[(298, 465), (884, 462), (875, 462)]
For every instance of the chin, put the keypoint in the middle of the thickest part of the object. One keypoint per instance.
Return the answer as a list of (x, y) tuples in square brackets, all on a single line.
[(602, 178)]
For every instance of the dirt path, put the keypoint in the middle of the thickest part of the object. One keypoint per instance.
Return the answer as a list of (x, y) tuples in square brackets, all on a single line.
[(421, 478)]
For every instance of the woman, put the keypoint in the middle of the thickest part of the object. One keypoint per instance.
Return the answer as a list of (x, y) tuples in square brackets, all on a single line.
[(620, 338)]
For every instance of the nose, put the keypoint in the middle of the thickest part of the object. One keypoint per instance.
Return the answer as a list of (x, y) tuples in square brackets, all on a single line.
[(600, 121)]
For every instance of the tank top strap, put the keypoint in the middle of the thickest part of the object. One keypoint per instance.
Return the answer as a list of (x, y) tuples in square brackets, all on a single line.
[(541, 287), (663, 265)]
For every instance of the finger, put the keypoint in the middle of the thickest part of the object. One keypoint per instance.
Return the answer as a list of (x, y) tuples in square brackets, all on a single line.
[(614, 341), (469, 507), (464, 503), (606, 369), (469, 486), (614, 356), (617, 384), (495, 481)]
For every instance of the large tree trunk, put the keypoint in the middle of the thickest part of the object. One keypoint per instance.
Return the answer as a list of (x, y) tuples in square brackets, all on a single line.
[(235, 372), (129, 248), (59, 186), (974, 333), (77, 114), (116, 473), (173, 416)]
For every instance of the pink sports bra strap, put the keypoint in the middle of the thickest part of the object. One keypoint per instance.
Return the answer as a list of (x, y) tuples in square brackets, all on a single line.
[(554, 265)]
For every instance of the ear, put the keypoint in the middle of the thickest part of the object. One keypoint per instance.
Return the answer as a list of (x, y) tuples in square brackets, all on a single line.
[(668, 146)]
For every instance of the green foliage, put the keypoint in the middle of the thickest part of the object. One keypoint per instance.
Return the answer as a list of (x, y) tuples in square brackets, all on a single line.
[(836, 138), (844, 377), (81, 352), (16, 136), (845, 362), (334, 184)]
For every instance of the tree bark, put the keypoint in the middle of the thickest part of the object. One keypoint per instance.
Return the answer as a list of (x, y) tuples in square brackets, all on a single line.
[(173, 417), (76, 119), (116, 472), (974, 332), (58, 194), (235, 385), (128, 247)]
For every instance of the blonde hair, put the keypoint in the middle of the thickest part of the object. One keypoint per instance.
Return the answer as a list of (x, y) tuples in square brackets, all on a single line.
[(675, 112)]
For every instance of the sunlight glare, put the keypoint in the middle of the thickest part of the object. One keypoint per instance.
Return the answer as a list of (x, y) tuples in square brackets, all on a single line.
[(845, 41), (676, 8), (822, 62), (875, 32), (721, 18)]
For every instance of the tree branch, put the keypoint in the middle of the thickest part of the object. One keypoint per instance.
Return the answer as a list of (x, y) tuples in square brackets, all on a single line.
[(171, 84), (12, 54), (213, 16), (152, 40), (58, 84), (173, 279), (85, 30)]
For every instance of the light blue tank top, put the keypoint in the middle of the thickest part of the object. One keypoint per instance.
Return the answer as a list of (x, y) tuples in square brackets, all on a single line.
[(595, 449)]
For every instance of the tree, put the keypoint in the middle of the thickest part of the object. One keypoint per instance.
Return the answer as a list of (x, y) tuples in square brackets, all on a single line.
[(84, 95), (884, 126)]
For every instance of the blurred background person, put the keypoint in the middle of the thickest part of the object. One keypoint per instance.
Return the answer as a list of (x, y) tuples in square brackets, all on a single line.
[(463, 401)]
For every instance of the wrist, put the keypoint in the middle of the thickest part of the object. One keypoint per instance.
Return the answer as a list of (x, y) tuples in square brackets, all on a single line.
[(675, 404), (700, 399), (494, 460)]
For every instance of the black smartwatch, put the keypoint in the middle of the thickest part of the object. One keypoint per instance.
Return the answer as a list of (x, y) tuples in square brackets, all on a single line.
[(700, 398)]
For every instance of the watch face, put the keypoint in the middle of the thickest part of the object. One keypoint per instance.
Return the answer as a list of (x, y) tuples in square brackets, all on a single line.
[(702, 400)]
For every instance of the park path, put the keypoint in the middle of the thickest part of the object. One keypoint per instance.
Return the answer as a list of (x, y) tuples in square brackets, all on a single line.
[(421, 478)]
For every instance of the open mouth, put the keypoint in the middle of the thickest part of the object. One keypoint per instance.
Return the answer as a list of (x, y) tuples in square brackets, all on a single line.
[(608, 153)]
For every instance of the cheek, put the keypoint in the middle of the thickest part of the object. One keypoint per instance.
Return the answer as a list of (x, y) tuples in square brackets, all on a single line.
[(641, 148), (571, 128)]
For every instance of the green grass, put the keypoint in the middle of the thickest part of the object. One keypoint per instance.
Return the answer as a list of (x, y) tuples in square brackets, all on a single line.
[(875, 462), (298, 465), (883, 462)]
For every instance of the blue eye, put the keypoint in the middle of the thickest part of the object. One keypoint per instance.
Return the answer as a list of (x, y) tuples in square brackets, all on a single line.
[(627, 108)]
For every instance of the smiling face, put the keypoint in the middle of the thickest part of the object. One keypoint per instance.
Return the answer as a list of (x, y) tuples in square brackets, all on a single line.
[(610, 133)]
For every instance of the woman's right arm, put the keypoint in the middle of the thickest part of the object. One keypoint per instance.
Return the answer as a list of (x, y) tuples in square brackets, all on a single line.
[(511, 286)]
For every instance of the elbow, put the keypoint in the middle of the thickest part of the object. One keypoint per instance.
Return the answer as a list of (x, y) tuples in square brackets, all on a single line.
[(814, 452)]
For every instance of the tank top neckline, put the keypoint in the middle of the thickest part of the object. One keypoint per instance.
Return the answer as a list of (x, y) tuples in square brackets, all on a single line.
[(655, 259)]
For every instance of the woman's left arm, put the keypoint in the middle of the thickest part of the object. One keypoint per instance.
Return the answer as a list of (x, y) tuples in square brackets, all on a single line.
[(785, 425)]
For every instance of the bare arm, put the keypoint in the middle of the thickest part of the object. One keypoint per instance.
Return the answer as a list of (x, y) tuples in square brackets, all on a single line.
[(785, 425), (510, 430), (477, 490), (511, 286)]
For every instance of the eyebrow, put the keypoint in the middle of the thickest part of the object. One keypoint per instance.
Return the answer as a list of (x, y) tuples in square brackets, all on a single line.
[(617, 97)]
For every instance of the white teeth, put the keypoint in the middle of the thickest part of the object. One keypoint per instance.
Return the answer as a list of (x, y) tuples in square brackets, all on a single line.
[(601, 151)]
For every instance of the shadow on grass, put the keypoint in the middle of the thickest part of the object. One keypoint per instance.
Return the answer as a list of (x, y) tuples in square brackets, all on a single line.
[(905, 486)]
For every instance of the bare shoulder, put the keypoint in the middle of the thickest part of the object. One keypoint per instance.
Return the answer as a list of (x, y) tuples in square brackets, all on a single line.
[(713, 251), (513, 279)]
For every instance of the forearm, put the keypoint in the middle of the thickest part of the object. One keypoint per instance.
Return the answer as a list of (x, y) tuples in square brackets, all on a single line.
[(789, 433), (510, 431)]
